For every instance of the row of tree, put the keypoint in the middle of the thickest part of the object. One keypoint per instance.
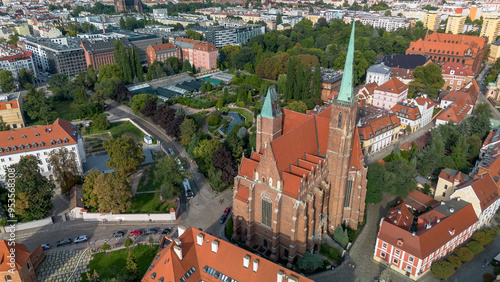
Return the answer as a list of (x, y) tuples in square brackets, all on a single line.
[(24, 79), (127, 59), (301, 83)]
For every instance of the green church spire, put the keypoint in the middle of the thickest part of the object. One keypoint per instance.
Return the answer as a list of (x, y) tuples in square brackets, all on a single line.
[(271, 108), (346, 92)]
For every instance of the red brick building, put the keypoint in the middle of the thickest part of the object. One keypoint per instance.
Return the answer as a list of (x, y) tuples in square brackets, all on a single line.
[(306, 177), (161, 52), (200, 53), (410, 245), (128, 6), (442, 48), (20, 268), (100, 52)]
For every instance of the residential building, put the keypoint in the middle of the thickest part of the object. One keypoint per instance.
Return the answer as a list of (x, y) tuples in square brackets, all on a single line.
[(410, 245), (11, 109), (454, 113), (494, 52), (203, 257), (407, 62), (306, 177), (388, 23), (40, 141), (490, 28), (13, 60), (378, 73), (365, 93), (418, 201), (128, 6), (431, 20), (221, 36), (469, 93), (442, 48), (46, 31), (404, 75), (448, 180), (199, 53), (493, 89), (57, 55), (389, 94), (482, 193), (161, 52), (489, 161), (456, 76), (164, 35), (283, 26), (100, 52), (455, 24), (378, 129), (408, 115), (18, 264), (474, 13), (330, 83)]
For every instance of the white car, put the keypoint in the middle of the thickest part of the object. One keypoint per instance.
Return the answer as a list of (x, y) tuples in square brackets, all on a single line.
[(79, 239)]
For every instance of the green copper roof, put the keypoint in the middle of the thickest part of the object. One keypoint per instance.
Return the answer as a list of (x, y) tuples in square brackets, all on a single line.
[(345, 93), (271, 108)]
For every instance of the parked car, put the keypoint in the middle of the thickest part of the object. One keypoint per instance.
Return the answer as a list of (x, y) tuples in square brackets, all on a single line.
[(166, 230), (151, 231), (227, 211), (135, 233), (106, 107), (170, 151), (45, 246), (119, 234), (63, 242), (222, 218), (79, 239)]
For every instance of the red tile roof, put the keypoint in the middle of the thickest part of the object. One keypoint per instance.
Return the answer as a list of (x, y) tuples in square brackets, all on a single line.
[(248, 167), (456, 112), (199, 45), (200, 263), (377, 125), (457, 68), (21, 255), (468, 95), (402, 73), (449, 44), (60, 133), (419, 201), (400, 216), (485, 189), (422, 99), (161, 47), (406, 111), (357, 158), (394, 85), (243, 193)]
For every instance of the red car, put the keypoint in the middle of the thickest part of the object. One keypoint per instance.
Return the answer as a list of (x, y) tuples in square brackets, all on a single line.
[(135, 233), (227, 210)]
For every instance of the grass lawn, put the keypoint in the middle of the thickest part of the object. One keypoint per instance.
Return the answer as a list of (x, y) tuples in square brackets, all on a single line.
[(150, 203), (149, 185), (64, 110), (117, 129), (113, 265), (248, 116)]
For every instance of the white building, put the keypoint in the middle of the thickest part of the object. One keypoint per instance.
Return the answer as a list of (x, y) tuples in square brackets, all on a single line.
[(390, 93), (14, 60), (39, 141), (482, 193), (378, 73), (426, 108), (389, 23)]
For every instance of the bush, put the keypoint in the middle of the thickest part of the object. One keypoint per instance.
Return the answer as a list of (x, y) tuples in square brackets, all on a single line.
[(100, 122), (310, 262), (128, 242), (106, 247), (229, 228), (464, 254), (455, 261), (488, 277), (213, 120), (240, 104), (484, 237), (475, 247), (247, 124), (330, 252), (442, 269)]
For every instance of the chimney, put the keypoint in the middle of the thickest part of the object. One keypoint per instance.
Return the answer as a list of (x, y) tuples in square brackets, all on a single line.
[(255, 265), (428, 226), (281, 276), (181, 229), (293, 279), (199, 239), (178, 251), (246, 261), (399, 211), (215, 246), (413, 234)]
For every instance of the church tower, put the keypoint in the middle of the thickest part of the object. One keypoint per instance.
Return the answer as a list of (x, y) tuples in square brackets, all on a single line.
[(340, 145), (270, 120)]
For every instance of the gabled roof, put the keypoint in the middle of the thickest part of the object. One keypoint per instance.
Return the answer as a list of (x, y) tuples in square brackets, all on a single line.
[(469, 95), (201, 263), (456, 112), (21, 256), (423, 100), (357, 158), (60, 133), (375, 125), (243, 193), (451, 175), (400, 216), (406, 111), (485, 189), (163, 47), (419, 201), (402, 73), (457, 68), (394, 85), (379, 68)]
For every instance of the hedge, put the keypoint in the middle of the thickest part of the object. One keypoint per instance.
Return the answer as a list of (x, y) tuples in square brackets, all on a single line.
[(442, 269)]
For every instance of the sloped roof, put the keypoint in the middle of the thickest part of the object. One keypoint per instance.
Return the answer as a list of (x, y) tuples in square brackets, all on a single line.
[(378, 124), (243, 193), (21, 255), (200, 263), (357, 158), (60, 133), (458, 68), (419, 201), (194, 44), (451, 175), (393, 85), (379, 68), (409, 62), (406, 111), (400, 216), (423, 99), (485, 189), (402, 73), (163, 47), (456, 112)]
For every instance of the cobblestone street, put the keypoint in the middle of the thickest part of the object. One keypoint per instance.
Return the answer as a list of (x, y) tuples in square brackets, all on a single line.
[(64, 266)]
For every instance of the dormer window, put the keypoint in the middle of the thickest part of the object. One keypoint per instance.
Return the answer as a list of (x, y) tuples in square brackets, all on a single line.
[(1, 150), (23, 136), (10, 138), (14, 148), (66, 140), (28, 146), (400, 243), (7, 149), (59, 141), (35, 145), (37, 134), (21, 147), (42, 144), (52, 142)]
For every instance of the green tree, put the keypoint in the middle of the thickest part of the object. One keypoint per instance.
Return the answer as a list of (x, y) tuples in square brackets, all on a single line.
[(194, 35), (89, 197), (459, 154), (278, 19), (186, 66), (132, 267), (291, 76), (6, 81), (37, 106), (297, 106), (122, 23), (204, 152), (128, 242), (188, 129), (387, 13), (215, 178), (169, 173), (100, 122), (25, 78), (105, 247), (316, 84), (122, 60), (63, 164), (220, 103), (125, 155), (192, 145), (376, 183), (139, 101), (113, 192), (464, 254), (309, 262), (475, 247), (428, 79), (442, 269), (33, 191), (360, 65), (139, 73)]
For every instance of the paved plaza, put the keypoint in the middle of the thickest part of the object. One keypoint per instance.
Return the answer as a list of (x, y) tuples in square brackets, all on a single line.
[(64, 266)]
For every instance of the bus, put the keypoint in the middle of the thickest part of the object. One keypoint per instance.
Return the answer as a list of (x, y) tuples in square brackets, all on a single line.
[(187, 189)]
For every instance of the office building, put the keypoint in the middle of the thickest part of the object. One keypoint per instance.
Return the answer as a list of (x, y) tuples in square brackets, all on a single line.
[(13, 60), (202, 55), (100, 52)]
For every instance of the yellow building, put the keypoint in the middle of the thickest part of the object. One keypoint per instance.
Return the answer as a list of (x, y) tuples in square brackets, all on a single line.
[(490, 28), (455, 24), (11, 110), (313, 17), (431, 20), (494, 52)]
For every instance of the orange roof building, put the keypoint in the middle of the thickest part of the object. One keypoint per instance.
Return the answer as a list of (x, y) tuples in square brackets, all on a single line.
[(161, 52), (17, 263), (389, 94), (410, 245), (200, 53), (365, 93), (378, 130), (454, 113), (448, 180), (11, 109), (198, 256), (442, 48), (456, 75)]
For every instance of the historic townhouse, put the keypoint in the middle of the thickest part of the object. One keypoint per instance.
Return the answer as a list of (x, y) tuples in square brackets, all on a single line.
[(39, 141), (456, 76), (378, 130), (414, 113), (448, 180), (306, 177), (410, 245), (389, 94), (25, 262)]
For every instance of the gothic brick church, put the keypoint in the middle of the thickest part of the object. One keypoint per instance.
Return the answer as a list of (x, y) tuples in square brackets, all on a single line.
[(306, 177)]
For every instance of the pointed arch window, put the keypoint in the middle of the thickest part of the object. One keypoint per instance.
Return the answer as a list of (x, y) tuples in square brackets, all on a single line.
[(348, 192), (339, 120), (267, 211)]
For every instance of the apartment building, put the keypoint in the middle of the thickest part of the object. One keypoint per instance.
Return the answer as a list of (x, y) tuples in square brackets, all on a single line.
[(11, 109), (378, 128), (199, 53), (389, 23), (13, 60), (100, 52), (389, 94), (161, 52), (455, 24), (221, 36), (431, 20), (456, 76), (490, 28)]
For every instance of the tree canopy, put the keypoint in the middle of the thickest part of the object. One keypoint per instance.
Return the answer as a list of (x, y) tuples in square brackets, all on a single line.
[(125, 155)]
